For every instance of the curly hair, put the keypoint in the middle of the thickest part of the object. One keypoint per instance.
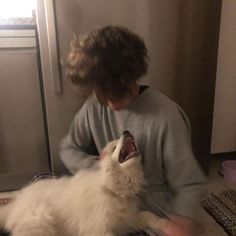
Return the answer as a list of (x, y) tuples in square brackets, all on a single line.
[(107, 59)]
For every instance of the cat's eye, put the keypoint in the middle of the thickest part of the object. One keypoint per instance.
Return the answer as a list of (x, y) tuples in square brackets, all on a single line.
[(114, 148)]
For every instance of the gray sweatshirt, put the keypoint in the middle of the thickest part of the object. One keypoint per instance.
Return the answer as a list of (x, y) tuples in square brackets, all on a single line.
[(162, 133)]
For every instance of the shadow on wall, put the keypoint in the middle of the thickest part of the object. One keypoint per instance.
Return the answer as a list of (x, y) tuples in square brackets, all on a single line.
[(186, 67)]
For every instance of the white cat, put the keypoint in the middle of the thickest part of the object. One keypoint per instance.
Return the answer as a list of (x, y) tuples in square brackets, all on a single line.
[(101, 202)]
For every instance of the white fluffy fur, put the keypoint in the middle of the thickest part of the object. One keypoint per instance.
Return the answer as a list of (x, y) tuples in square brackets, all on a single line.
[(99, 202)]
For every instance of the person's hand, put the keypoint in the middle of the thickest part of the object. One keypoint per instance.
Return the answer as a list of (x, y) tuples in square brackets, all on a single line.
[(174, 226), (177, 226)]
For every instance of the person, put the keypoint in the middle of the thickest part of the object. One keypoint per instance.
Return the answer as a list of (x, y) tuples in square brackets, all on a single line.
[(110, 61)]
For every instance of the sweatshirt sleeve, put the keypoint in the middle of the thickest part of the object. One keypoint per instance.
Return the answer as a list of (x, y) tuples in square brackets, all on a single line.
[(184, 176), (77, 150)]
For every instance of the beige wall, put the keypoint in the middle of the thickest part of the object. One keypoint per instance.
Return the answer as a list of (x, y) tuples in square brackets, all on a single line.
[(224, 125), (184, 44)]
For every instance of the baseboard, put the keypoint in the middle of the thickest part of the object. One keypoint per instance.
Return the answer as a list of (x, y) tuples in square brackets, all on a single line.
[(224, 155)]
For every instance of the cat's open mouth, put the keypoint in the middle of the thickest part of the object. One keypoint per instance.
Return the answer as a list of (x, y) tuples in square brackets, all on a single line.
[(128, 149)]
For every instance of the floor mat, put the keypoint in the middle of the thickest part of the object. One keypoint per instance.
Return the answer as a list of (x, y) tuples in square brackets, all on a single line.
[(222, 207)]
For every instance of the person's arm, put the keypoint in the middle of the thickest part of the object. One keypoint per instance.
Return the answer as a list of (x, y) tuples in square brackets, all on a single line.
[(183, 173), (77, 149)]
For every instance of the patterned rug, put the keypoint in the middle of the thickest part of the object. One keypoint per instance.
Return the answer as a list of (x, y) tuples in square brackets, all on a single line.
[(222, 207)]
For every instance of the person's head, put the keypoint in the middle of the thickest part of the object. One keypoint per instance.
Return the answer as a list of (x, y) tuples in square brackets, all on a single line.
[(110, 60)]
